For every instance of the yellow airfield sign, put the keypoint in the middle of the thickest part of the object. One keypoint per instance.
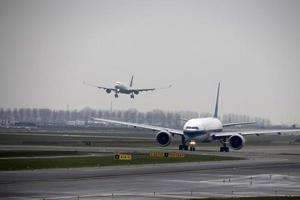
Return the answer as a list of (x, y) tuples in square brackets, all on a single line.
[(122, 156), (167, 154)]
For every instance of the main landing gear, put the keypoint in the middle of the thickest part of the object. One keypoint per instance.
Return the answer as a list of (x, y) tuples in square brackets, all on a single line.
[(116, 95), (132, 96), (183, 146), (224, 148)]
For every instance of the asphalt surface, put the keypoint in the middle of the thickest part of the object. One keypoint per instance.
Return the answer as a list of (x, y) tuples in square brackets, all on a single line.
[(268, 171)]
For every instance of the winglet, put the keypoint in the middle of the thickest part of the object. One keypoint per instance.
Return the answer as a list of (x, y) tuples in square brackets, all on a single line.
[(131, 81), (217, 102)]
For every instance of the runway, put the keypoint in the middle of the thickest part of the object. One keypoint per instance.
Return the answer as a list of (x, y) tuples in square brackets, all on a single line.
[(268, 171)]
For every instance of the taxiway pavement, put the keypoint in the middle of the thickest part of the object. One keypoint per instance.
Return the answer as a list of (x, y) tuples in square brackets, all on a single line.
[(268, 171)]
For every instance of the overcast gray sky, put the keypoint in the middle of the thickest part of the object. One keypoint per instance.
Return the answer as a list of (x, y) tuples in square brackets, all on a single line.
[(48, 48)]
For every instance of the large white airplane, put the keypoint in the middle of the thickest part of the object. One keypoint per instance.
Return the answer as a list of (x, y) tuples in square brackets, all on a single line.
[(205, 129), (125, 89)]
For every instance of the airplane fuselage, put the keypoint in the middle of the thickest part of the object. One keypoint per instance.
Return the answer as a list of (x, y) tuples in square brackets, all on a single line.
[(122, 88), (202, 127)]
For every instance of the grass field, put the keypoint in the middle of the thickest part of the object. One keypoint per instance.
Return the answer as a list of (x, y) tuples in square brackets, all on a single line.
[(4, 153), (7, 139), (94, 161), (255, 198)]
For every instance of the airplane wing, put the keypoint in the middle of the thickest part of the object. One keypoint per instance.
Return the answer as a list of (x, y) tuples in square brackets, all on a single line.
[(145, 126), (258, 132), (237, 123), (148, 89), (100, 87)]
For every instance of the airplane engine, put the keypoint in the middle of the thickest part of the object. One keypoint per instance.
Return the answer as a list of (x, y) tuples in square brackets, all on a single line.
[(108, 91), (136, 92), (236, 142), (164, 138)]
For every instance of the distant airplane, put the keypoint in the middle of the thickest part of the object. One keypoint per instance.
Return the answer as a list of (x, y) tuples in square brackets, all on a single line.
[(205, 129), (125, 89)]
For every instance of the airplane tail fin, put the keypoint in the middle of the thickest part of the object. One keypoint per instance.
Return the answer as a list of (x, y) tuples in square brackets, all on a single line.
[(217, 103), (131, 81)]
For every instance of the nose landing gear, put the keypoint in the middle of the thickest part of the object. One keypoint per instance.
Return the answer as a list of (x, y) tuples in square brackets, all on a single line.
[(183, 146), (192, 145)]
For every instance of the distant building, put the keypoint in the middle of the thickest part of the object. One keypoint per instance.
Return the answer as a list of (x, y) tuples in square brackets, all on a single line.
[(75, 123)]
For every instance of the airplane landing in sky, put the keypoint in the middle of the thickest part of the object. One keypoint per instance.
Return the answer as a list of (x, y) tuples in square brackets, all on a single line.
[(205, 129), (121, 88)]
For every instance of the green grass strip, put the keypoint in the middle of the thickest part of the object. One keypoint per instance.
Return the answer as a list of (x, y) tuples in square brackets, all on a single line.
[(93, 161), (255, 198), (4, 153)]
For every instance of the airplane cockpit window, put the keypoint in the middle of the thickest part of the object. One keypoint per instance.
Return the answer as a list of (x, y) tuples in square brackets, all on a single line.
[(192, 127)]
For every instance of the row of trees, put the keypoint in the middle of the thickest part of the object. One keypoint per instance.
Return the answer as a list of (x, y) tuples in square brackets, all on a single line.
[(156, 117)]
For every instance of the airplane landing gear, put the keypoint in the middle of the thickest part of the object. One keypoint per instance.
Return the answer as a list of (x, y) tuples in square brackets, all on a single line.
[(132, 96), (192, 148), (224, 148), (183, 145), (192, 145), (116, 95)]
